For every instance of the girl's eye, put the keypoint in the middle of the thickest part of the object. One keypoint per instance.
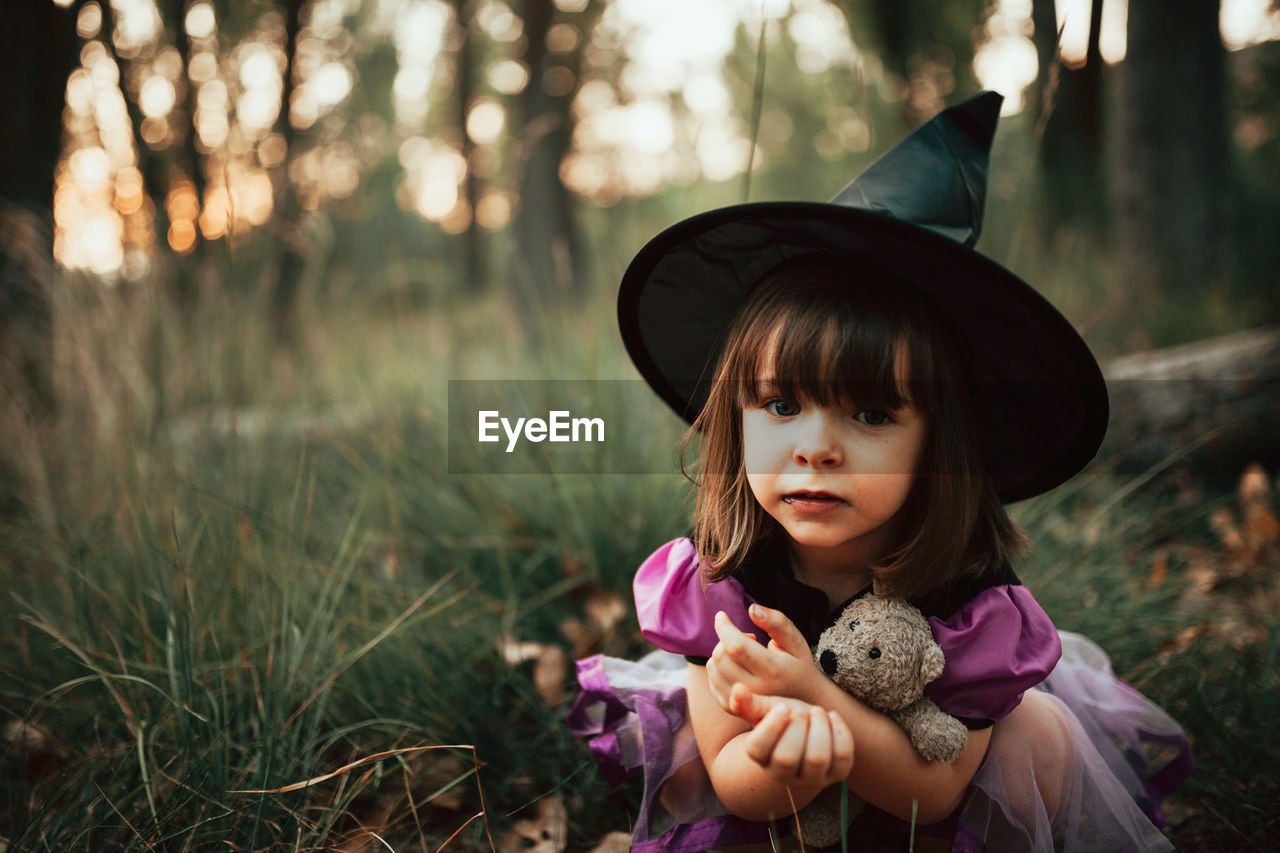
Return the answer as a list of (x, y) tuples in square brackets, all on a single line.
[(781, 408), (873, 418)]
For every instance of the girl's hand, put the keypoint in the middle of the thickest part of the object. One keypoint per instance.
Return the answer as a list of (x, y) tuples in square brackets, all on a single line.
[(796, 743), (783, 668)]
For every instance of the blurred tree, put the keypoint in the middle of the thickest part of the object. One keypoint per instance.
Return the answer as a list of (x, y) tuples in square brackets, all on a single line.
[(192, 160), (926, 45), (38, 50), (1068, 107), (290, 261), (464, 93), (1172, 178), (154, 169), (548, 238), (1255, 252)]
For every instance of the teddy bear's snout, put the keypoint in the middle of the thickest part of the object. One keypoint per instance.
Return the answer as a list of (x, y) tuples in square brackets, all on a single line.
[(829, 662)]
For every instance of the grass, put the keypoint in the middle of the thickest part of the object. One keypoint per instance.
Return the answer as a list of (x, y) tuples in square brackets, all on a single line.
[(246, 603)]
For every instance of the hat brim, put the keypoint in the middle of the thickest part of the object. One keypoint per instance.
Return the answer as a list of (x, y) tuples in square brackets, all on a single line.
[(1039, 392)]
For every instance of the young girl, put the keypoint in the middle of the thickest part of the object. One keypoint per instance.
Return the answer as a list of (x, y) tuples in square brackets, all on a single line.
[(877, 392)]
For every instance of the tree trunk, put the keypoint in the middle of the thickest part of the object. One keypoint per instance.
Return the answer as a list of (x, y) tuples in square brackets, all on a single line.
[(1217, 400), (191, 162), (1070, 122), (38, 50), (155, 177), (290, 260), (464, 85), (929, 45), (1172, 173), (547, 234)]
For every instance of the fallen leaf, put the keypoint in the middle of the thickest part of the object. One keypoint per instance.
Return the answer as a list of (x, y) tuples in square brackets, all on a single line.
[(441, 775), (570, 567), (549, 675), (1223, 523), (580, 638), (1202, 575), (549, 668), (24, 737), (1254, 541), (614, 842), (1184, 639), (1240, 633), (390, 564), (1159, 569), (1254, 486), (542, 834), (605, 609), (516, 653)]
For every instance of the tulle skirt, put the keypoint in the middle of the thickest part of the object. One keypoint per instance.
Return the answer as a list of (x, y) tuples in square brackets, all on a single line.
[(1082, 765)]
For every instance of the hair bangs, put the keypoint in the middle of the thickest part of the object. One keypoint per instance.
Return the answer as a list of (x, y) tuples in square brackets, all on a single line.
[(811, 355)]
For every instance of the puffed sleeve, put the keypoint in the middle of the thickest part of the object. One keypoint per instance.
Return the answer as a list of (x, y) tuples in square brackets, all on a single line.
[(997, 646), (676, 613)]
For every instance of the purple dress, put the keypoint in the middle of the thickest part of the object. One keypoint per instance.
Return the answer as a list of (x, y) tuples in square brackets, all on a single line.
[(1127, 754)]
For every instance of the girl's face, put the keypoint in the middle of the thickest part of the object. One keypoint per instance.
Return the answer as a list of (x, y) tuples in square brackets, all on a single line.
[(832, 478)]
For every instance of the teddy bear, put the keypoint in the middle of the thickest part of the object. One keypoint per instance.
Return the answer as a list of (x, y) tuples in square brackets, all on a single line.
[(881, 651)]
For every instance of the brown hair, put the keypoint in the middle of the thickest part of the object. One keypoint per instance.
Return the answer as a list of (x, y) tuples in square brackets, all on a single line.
[(834, 330)]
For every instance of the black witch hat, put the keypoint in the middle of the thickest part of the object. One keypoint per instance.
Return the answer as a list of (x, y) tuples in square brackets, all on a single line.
[(916, 213)]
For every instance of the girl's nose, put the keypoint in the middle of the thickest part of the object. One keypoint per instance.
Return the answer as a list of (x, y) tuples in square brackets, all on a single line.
[(816, 447)]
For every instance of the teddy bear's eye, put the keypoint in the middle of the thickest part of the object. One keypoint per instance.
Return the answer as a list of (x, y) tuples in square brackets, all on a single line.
[(874, 654), (853, 623)]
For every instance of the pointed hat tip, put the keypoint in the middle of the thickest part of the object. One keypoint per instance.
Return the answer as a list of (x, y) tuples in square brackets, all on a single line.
[(977, 117)]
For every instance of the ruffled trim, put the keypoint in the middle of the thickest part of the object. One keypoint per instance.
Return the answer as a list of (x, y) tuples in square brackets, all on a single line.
[(676, 613), (633, 715), (998, 646)]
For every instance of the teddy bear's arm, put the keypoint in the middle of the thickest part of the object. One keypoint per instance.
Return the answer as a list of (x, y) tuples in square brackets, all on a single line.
[(935, 734)]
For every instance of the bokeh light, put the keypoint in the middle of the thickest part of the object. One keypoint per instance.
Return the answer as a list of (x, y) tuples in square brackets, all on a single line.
[(137, 23), (485, 121), (652, 103), (493, 210), (501, 24), (89, 21), (419, 30), (156, 97), (200, 22), (508, 76)]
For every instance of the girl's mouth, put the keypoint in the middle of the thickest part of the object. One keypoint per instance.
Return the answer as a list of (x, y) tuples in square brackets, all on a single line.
[(811, 500)]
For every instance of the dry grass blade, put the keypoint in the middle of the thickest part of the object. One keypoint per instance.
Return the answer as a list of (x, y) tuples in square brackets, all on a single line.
[(795, 815), (369, 646), (470, 821), (377, 756), (130, 718), (413, 807)]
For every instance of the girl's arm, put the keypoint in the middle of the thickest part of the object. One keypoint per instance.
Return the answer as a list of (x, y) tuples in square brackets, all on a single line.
[(777, 763), (888, 772)]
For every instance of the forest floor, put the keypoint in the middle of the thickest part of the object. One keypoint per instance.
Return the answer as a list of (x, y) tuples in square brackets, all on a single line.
[(218, 635)]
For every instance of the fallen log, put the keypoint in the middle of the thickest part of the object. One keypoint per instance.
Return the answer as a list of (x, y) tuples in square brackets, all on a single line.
[(1212, 406)]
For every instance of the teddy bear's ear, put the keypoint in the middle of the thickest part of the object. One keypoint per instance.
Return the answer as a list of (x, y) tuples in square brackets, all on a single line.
[(931, 663)]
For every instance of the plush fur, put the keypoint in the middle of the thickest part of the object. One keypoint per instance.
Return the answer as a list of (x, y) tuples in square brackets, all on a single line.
[(882, 652)]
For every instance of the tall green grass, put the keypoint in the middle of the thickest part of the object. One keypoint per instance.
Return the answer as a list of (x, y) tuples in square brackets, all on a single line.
[(208, 594)]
